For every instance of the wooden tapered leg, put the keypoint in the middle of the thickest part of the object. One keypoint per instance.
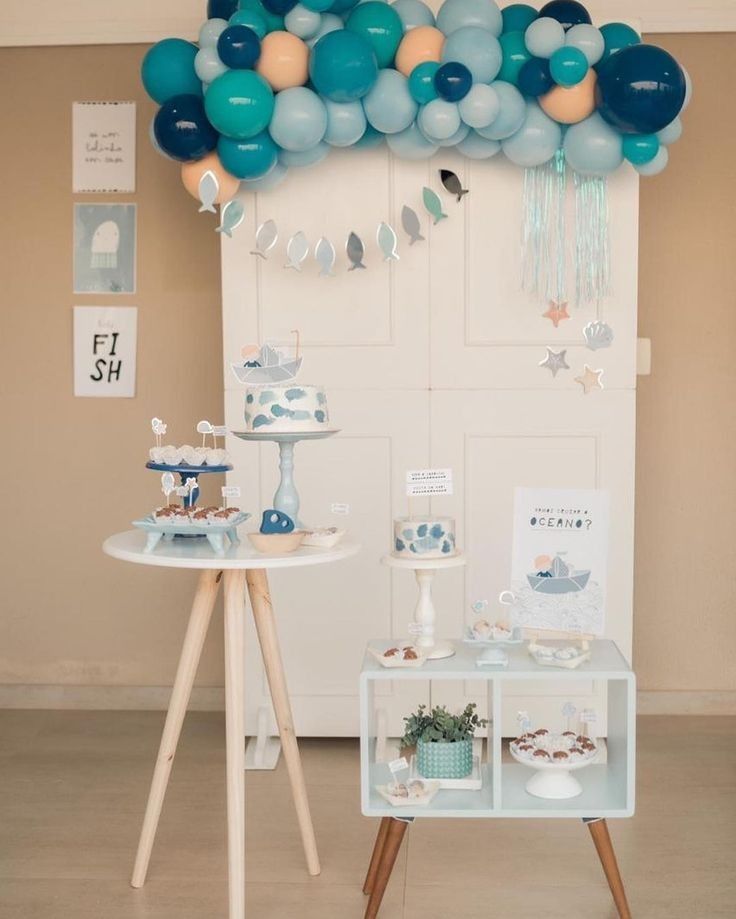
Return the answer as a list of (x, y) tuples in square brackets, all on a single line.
[(235, 738), (260, 599), (604, 848), (199, 620), (377, 853), (391, 845)]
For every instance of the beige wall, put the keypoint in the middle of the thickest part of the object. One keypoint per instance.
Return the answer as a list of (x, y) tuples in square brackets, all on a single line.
[(71, 616)]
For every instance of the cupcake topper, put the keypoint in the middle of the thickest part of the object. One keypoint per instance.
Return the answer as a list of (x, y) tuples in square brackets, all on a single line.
[(218, 430), (587, 717), (479, 606), (525, 722), (229, 491), (191, 485), (204, 428), (568, 710), (159, 429), (167, 484)]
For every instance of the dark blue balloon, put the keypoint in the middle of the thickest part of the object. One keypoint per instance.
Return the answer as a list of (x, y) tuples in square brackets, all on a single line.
[(640, 89), (453, 81), (534, 77), (221, 9), (182, 129), (568, 13), (238, 47), (279, 7)]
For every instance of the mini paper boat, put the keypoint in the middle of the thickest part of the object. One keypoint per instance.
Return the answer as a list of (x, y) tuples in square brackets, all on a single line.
[(269, 367)]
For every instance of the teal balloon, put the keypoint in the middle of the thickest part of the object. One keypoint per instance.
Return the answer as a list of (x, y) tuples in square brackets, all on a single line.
[(252, 19), (536, 141), (515, 55), (480, 107), (593, 147), (342, 66), (617, 35), (438, 120), (568, 66), (421, 82), (250, 158), (346, 123), (208, 66), (330, 23), (381, 26), (340, 7), (211, 31), (454, 14), (168, 70), (319, 6), (511, 114), (476, 147), (275, 177), (454, 139), (239, 104), (518, 17), (413, 13), (274, 22), (544, 36), (640, 148), (304, 157), (302, 22), (299, 119), (411, 144), (588, 39), (371, 139), (477, 49), (656, 165), (389, 106), (671, 132)]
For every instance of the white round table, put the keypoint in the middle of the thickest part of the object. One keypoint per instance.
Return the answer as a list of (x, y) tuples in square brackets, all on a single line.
[(239, 566)]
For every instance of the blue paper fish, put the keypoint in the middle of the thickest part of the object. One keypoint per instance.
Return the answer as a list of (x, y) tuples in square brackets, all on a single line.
[(296, 251), (354, 249), (324, 253), (274, 521), (266, 237), (410, 223), (209, 189), (386, 239), (232, 215), (433, 204), (452, 183)]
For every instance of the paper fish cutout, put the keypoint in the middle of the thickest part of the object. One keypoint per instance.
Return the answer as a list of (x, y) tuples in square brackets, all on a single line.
[(168, 484), (209, 189), (155, 425), (296, 251), (452, 183), (410, 223), (274, 521), (355, 251), (324, 253), (386, 239), (232, 215), (433, 204), (266, 237)]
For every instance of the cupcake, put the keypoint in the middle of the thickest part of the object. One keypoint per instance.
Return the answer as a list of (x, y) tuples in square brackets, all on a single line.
[(219, 517), (156, 454), (232, 512), (201, 517), (499, 632), (541, 754), (171, 455), (482, 630), (163, 514), (200, 455), (189, 455), (560, 755)]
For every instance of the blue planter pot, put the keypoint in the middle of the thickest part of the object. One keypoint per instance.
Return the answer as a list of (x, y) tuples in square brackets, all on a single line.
[(445, 760)]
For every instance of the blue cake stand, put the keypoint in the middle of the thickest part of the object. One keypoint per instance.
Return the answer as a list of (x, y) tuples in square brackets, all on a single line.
[(187, 472)]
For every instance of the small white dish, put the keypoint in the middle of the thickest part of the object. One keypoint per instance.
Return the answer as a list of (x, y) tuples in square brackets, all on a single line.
[(323, 538), (397, 660), (431, 786)]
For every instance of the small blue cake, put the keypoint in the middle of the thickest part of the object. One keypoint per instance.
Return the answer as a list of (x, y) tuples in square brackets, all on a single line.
[(424, 537)]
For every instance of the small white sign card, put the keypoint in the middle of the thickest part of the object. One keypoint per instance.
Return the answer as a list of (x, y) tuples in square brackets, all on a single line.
[(559, 559), (103, 147), (105, 339), (421, 483)]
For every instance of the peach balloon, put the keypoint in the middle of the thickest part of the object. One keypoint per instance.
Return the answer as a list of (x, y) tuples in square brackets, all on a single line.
[(570, 104), (191, 176), (417, 46), (284, 60)]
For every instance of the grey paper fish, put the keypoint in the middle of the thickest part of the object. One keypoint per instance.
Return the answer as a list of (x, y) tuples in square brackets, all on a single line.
[(410, 223), (266, 237), (209, 189), (354, 249), (433, 204), (324, 253), (452, 183), (386, 239), (232, 215), (296, 251)]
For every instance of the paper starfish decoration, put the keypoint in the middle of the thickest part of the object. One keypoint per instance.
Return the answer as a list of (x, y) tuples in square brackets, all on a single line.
[(556, 311), (590, 379), (555, 361)]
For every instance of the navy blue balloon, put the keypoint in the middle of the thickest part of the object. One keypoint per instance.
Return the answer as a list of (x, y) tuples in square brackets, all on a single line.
[(182, 130), (238, 47), (640, 89), (568, 13), (221, 9), (453, 81), (279, 7), (534, 78)]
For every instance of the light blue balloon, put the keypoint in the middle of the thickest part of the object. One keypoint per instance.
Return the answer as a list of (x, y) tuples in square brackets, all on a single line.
[(302, 22), (477, 49), (655, 166), (593, 147), (211, 32), (511, 114), (536, 140), (345, 123), (299, 119), (411, 144), (413, 13), (389, 106), (329, 23), (304, 157), (459, 135), (454, 14), (372, 138), (480, 107), (439, 120), (476, 147), (207, 64), (588, 39), (671, 132), (544, 36), (688, 89), (275, 177)]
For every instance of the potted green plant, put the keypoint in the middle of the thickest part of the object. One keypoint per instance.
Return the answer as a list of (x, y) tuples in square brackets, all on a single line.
[(443, 741)]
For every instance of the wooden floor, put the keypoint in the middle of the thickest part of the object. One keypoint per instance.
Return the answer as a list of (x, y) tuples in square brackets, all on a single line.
[(73, 787)]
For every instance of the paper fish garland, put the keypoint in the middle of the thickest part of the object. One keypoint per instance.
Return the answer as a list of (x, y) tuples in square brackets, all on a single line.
[(433, 204), (555, 361), (387, 241), (355, 250), (209, 189), (590, 379), (266, 237), (598, 334), (274, 521), (232, 215), (324, 253), (411, 225), (452, 183), (296, 251)]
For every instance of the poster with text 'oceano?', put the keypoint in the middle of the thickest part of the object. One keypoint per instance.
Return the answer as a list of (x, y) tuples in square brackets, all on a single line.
[(559, 559)]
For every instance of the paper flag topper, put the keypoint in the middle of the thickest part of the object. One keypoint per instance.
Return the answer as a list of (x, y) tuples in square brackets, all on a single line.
[(191, 484), (157, 426), (167, 483)]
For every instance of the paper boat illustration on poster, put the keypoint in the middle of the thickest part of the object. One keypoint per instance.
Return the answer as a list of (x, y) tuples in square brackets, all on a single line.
[(267, 364), (559, 578)]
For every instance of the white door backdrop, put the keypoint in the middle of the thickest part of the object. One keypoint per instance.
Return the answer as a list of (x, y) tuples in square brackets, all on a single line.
[(432, 360)]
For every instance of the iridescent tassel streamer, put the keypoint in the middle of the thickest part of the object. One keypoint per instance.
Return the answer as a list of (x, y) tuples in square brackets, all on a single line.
[(592, 251), (543, 230)]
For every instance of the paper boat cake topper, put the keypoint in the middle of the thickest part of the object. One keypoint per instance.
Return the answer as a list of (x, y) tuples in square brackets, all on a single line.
[(558, 578), (268, 364)]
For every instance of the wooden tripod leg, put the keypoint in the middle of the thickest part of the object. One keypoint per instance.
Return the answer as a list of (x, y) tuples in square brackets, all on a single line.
[(602, 841), (376, 856), (199, 620), (392, 844), (260, 599)]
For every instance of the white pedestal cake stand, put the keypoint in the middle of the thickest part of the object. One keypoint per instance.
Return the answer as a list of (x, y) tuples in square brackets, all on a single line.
[(425, 614)]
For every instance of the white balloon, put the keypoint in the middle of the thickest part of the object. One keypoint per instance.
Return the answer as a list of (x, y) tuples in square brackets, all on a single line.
[(211, 32), (207, 65), (588, 39), (544, 36), (656, 165), (670, 133)]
